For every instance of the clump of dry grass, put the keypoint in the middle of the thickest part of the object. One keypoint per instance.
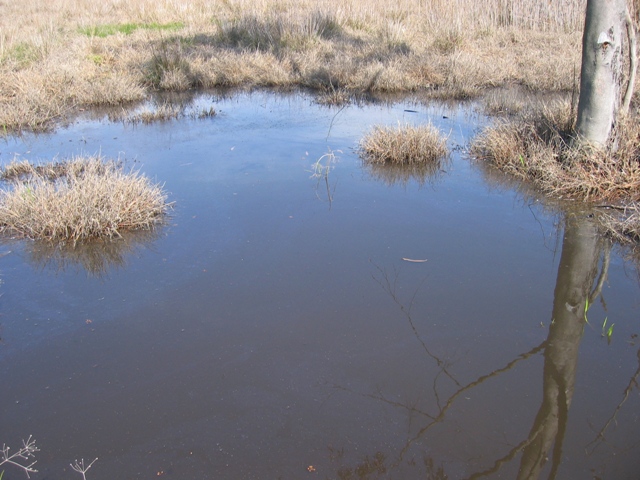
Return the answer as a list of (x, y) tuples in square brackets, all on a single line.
[(538, 148), (623, 224), (162, 113), (404, 145), (76, 200)]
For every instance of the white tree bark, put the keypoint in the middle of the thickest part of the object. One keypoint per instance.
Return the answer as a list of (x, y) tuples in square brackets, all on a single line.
[(601, 73)]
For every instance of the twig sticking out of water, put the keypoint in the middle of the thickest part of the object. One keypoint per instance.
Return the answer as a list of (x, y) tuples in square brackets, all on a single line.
[(81, 468), (22, 457)]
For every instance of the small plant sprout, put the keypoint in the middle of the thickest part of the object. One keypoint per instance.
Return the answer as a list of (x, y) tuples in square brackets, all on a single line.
[(586, 309), (80, 467), (23, 458), (607, 332)]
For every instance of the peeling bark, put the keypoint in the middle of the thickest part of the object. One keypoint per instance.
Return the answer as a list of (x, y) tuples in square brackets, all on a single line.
[(601, 72), (633, 63)]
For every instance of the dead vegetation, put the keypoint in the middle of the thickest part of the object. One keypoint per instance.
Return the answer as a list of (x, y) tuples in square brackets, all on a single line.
[(163, 112), (397, 155), (57, 56), (76, 200), (404, 145), (623, 225), (60, 56), (537, 148)]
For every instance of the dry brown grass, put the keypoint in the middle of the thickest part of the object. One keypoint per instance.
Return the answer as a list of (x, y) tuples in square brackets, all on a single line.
[(60, 55), (623, 225), (397, 155), (404, 145), (79, 199), (537, 148)]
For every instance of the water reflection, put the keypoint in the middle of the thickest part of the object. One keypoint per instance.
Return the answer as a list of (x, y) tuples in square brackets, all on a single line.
[(234, 340), (600, 437), (581, 251), (581, 274), (96, 257), (403, 174)]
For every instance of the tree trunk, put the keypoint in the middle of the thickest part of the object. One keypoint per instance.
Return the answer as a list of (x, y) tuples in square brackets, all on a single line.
[(601, 73)]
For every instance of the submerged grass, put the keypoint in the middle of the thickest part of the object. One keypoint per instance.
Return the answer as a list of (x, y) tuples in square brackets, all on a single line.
[(76, 200), (162, 112), (57, 56)]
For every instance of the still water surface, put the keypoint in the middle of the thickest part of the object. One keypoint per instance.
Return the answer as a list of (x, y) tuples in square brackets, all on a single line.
[(275, 330)]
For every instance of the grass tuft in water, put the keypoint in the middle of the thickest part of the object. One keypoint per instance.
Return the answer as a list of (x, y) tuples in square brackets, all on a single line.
[(537, 147), (79, 199), (404, 145)]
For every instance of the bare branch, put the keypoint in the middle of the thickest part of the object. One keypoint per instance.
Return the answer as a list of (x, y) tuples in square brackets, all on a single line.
[(633, 383)]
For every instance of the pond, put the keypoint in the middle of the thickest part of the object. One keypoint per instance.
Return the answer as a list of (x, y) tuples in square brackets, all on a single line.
[(355, 324)]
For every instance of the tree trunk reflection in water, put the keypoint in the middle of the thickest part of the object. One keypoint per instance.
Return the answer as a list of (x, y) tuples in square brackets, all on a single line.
[(581, 249), (576, 288)]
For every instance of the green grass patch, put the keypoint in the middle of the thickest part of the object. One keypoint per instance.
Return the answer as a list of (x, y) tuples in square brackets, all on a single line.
[(109, 29), (23, 53)]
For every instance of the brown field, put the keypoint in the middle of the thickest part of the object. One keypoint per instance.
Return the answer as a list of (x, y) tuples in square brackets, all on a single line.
[(60, 56)]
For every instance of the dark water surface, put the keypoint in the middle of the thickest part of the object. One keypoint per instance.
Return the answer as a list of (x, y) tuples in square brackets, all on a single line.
[(274, 328)]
